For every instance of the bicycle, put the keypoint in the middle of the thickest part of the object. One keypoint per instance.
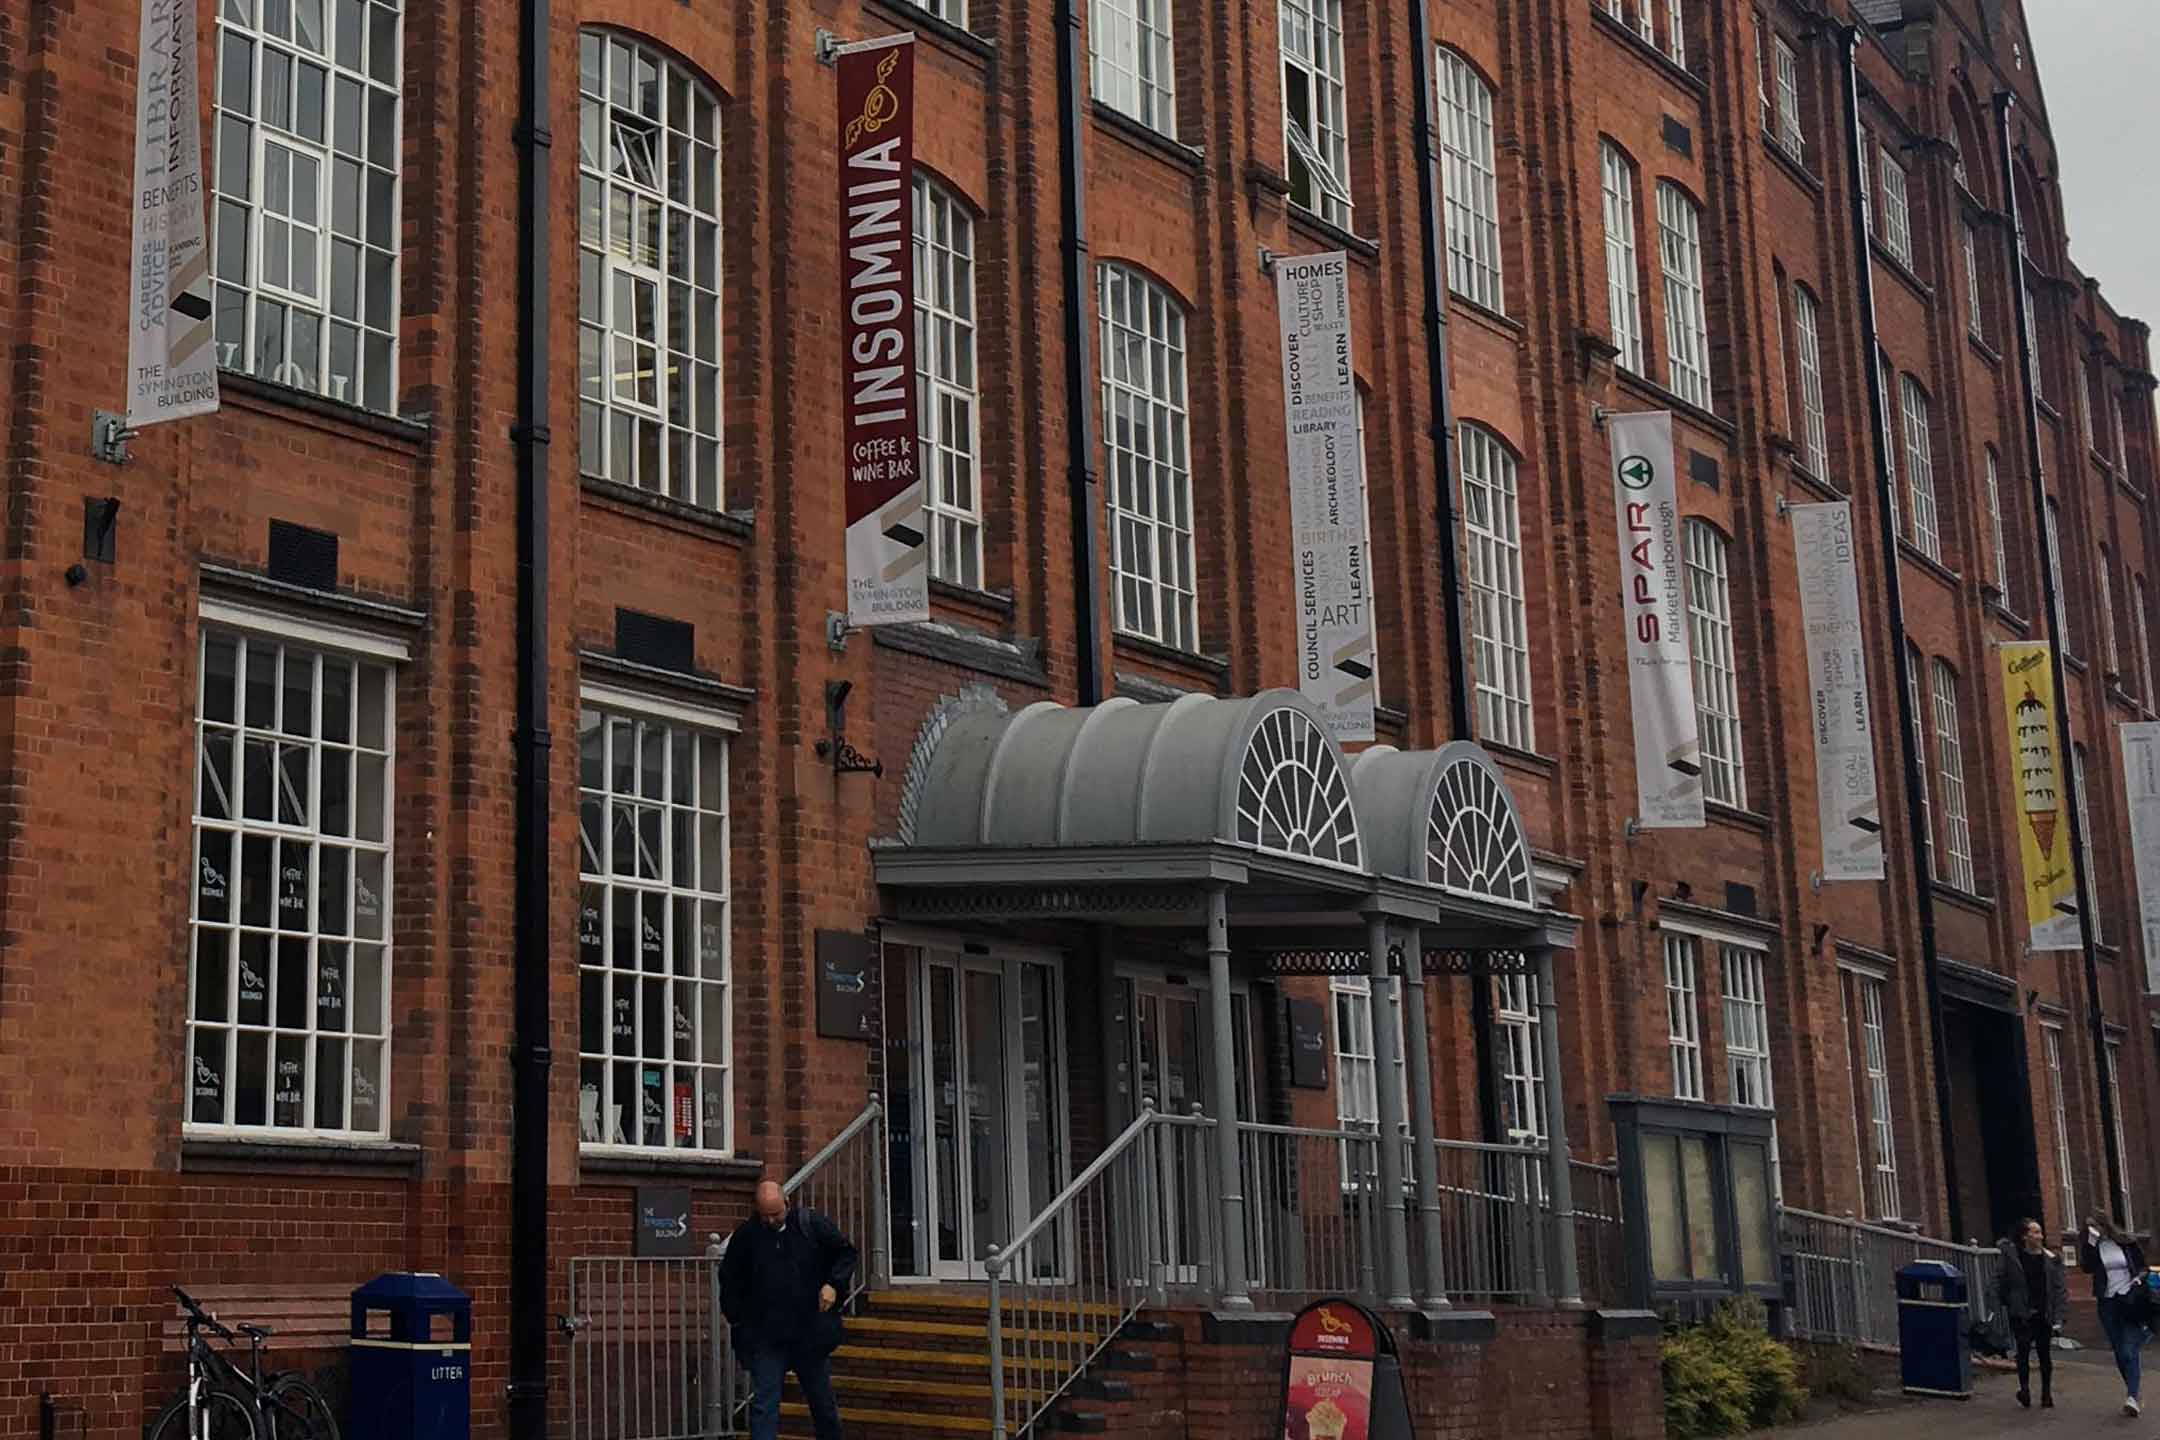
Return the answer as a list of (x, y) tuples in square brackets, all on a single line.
[(222, 1402)]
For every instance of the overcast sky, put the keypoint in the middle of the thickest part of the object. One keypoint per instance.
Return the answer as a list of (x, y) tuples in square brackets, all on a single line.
[(2100, 68)]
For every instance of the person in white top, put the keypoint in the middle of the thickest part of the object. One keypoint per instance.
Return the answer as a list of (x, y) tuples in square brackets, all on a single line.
[(2117, 1265)]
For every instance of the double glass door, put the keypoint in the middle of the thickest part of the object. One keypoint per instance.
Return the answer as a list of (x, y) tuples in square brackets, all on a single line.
[(984, 1101)]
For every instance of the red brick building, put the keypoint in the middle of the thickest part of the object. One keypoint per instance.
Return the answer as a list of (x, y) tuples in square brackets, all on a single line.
[(256, 990)]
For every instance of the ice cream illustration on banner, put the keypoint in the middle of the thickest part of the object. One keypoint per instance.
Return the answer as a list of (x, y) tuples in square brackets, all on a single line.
[(2037, 788)]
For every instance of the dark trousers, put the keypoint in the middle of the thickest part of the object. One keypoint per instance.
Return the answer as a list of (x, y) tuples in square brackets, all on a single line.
[(2033, 1334), (2126, 1337), (768, 1365)]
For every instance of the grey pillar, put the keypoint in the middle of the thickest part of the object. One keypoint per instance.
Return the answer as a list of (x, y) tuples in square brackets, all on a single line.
[(1559, 1183), (1223, 1101), (1394, 1229), (1424, 1151)]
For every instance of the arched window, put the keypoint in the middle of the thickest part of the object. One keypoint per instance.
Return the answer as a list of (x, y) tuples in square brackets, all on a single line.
[(1920, 468), (1316, 114), (1687, 325), (1996, 536), (1293, 797), (1623, 300), (2110, 652), (1807, 340), (306, 219), (648, 271), (1717, 682), (1146, 459), (946, 418), (1950, 760), (1499, 611), (1473, 182)]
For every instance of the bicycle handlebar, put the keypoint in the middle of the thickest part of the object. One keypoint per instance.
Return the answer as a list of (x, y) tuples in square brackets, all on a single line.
[(199, 1316)]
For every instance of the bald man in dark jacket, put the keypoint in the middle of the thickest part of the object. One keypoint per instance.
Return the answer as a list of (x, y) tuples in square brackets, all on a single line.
[(781, 1282)]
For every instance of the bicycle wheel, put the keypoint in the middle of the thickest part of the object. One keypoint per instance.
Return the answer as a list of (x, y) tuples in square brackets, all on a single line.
[(224, 1417), (297, 1410)]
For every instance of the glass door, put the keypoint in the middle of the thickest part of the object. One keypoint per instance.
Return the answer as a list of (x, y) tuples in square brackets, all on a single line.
[(1171, 1070)]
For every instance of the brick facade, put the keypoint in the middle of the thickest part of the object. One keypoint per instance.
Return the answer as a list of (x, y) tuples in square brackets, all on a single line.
[(109, 1196)]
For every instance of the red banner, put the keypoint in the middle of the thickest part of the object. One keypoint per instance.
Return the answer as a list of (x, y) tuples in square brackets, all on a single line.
[(888, 537)]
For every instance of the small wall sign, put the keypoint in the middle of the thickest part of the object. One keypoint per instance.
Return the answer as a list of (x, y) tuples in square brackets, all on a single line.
[(661, 1221), (1308, 1044), (847, 1006)]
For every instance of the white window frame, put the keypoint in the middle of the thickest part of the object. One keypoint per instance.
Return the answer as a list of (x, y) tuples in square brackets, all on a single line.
[(1883, 371), (668, 441), (2051, 1045), (948, 377), (1896, 207), (1143, 339), (1675, 33), (1717, 676), (1748, 1064), (351, 249), (2091, 897), (2084, 405), (1623, 298), (1875, 1058), (1646, 20), (2053, 516), (701, 804), (2110, 652), (1133, 67), (1473, 182), (1762, 79), (1914, 411), (1357, 1062), (1687, 326), (1950, 763), (1683, 1016), (1970, 249), (1914, 664), (2141, 641), (1522, 1057), (1996, 537), (2032, 338), (952, 12), (1814, 419), (369, 757), (1790, 135), (1312, 48), (1499, 605)]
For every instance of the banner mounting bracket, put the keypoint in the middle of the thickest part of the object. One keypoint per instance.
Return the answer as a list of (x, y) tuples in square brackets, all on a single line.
[(830, 47), (1597, 417), (109, 436)]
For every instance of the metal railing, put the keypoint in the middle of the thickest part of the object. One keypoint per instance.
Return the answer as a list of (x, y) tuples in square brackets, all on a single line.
[(1136, 1223), (1312, 1210), (1494, 1223), (1600, 1233), (1844, 1276), (651, 1356)]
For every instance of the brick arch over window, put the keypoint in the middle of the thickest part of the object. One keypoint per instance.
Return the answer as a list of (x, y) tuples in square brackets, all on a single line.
[(649, 261)]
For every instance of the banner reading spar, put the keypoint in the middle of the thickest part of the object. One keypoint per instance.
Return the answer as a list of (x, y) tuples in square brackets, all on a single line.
[(888, 535), (1661, 685), (2043, 833)]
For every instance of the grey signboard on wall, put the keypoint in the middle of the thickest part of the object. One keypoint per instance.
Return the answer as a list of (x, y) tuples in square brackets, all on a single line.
[(846, 986)]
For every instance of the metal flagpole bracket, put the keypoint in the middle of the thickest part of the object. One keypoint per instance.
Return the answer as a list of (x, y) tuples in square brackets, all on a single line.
[(836, 631), (1598, 414), (1267, 260), (828, 46), (109, 436), (1784, 507), (1632, 829)]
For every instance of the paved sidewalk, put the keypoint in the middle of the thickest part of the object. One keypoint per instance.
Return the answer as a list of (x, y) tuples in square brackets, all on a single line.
[(2088, 1402)]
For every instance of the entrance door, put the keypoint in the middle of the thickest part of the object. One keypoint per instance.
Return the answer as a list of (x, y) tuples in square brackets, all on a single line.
[(990, 1082), (1170, 1061)]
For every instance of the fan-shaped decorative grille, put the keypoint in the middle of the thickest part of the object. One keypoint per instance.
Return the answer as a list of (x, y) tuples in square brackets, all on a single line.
[(1473, 843), (1292, 795)]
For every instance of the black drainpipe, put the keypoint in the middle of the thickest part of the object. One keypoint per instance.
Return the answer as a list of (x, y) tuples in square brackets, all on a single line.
[(1908, 722), (1079, 354), (1433, 262), (2050, 606), (531, 1059)]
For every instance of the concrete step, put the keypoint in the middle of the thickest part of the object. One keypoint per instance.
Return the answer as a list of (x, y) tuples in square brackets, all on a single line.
[(872, 1423)]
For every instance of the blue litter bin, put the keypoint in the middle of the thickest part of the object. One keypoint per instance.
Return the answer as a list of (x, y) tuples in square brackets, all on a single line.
[(411, 1360), (1934, 1355)]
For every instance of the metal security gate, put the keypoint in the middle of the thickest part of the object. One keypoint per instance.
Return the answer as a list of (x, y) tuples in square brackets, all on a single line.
[(650, 1357)]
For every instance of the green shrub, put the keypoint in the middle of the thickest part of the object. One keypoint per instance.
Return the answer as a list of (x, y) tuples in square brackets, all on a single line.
[(1727, 1375)]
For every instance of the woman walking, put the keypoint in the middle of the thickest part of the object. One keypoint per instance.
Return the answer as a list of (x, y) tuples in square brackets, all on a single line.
[(2117, 1266), (2034, 1292)]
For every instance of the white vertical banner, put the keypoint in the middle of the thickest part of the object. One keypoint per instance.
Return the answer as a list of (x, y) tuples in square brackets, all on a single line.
[(1653, 604), (2141, 781), (172, 360), (1336, 665), (1847, 805)]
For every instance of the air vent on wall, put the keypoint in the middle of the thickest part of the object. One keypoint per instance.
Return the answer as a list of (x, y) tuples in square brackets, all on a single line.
[(1679, 137), (1702, 469), (301, 556), (653, 640), (1739, 899)]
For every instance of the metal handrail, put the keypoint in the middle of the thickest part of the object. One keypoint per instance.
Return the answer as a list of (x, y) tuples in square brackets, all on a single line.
[(1115, 1198)]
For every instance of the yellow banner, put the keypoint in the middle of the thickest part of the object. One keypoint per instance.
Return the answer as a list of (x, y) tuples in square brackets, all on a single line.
[(2042, 826)]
